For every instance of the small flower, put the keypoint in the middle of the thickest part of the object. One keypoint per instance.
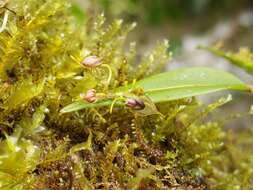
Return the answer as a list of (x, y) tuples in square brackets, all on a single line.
[(91, 61), (135, 104), (90, 96)]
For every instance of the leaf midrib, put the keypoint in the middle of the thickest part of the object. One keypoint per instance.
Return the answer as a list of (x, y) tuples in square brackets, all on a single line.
[(237, 86)]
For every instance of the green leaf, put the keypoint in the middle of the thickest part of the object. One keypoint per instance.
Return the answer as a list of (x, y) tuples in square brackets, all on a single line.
[(173, 85), (188, 82)]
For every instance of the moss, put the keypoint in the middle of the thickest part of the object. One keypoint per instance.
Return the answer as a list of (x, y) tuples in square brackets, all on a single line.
[(93, 148)]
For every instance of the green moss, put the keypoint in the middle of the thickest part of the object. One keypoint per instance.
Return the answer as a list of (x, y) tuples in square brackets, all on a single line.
[(93, 148)]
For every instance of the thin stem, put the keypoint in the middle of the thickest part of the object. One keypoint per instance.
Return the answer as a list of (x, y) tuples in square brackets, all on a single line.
[(74, 59), (114, 102), (109, 73)]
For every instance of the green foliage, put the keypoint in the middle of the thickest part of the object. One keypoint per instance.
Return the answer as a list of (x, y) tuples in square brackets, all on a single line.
[(242, 59), (159, 11), (178, 84), (78, 13), (19, 156), (187, 82), (21, 93), (42, 48)]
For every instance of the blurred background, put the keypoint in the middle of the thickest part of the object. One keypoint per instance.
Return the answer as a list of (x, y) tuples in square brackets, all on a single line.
[(187, 24)]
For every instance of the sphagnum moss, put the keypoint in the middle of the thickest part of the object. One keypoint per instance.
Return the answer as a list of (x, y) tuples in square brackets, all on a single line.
[(95, 149)]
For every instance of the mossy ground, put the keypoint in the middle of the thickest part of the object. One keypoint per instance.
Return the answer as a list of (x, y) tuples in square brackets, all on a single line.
[(95, 149)]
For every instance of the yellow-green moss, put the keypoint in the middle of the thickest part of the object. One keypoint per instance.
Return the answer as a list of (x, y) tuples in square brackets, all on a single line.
[(95, 149)]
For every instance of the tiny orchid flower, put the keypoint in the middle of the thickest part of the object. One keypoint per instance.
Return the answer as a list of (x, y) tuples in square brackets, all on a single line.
[(135, 104), (91, 61), (90, 96)]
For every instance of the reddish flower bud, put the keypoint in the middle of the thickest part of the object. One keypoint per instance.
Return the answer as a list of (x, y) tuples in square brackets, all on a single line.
[(91, 61), (90, 96), (136, 104)]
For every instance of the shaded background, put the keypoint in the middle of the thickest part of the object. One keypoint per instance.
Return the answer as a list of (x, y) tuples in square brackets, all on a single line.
[(187, 24)]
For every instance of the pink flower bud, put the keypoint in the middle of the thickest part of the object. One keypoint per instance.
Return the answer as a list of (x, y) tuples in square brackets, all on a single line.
[(135, 104), (91, 61), (90, 96)]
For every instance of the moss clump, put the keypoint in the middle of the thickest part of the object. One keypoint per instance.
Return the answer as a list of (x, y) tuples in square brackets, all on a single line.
[(93, 148)]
